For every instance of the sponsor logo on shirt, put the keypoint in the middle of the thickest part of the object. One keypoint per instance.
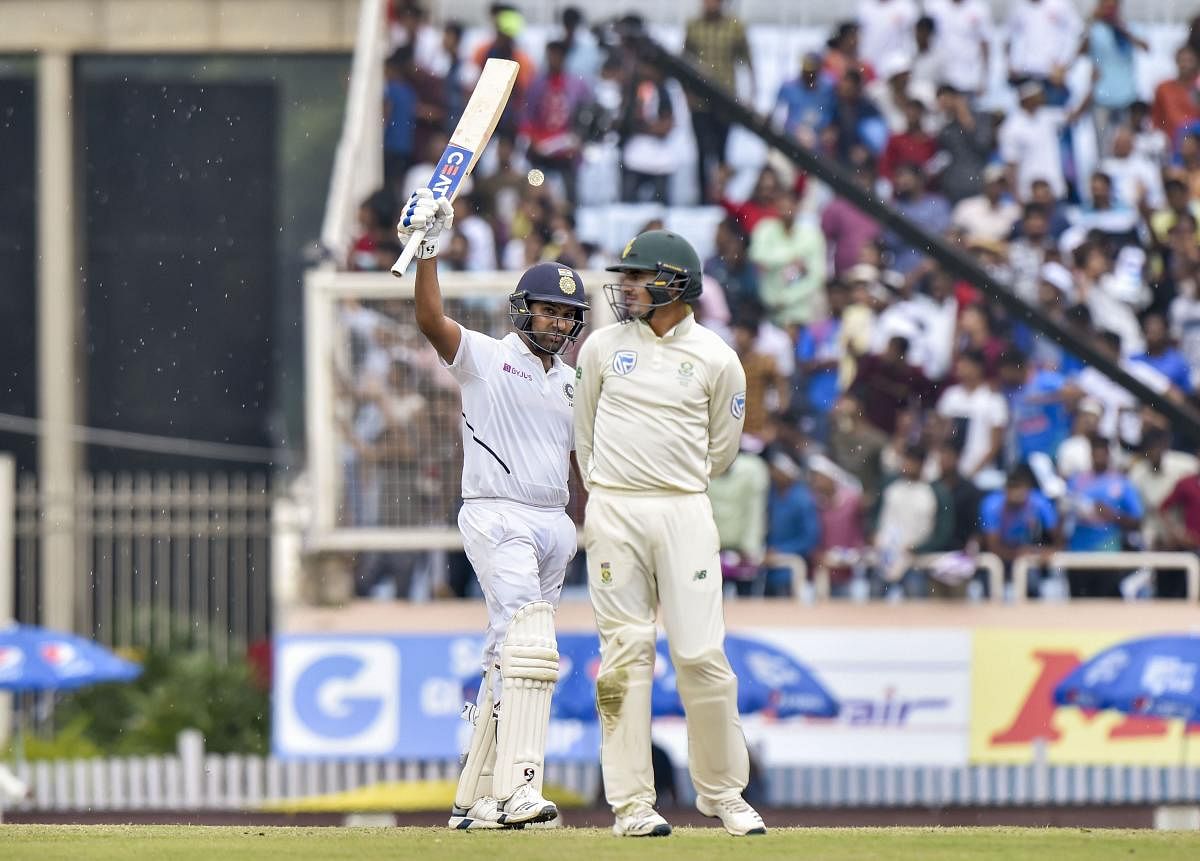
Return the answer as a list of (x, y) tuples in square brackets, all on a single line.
[(624, 361), (517, 372), (605, 573), (737, 405)]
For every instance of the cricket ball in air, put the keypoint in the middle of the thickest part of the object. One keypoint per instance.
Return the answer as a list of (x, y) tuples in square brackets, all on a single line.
[(535, 177)]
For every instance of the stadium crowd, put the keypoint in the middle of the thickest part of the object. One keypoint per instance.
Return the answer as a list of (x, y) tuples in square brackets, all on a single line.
[(892, 411)]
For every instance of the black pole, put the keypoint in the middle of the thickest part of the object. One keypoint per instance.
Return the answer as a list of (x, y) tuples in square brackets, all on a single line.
[(1183, 418)]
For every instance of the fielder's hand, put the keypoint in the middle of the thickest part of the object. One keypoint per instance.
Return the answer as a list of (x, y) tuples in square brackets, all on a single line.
[(425, 212)]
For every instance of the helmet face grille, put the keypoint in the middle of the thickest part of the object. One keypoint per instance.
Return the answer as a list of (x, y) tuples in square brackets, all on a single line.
[(522, 319)]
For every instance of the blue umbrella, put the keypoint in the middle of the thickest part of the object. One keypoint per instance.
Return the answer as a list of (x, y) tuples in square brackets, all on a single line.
[(769, 681), (1152, 676), (34, 659)]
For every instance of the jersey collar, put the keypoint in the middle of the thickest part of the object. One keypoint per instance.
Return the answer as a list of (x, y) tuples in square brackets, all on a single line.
[(515, 340), (678, 330)]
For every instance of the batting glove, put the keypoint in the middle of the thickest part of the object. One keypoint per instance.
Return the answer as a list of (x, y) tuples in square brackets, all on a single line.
[(425, 212)]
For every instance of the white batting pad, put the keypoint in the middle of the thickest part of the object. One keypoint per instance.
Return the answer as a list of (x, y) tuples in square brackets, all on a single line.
[(529, 672), (475, 781)]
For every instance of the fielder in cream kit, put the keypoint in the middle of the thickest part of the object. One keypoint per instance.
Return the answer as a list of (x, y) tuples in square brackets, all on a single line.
[(517, 439), (659, 407)]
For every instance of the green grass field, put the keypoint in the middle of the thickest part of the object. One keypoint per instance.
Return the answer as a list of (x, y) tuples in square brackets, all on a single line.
[(168, 843)]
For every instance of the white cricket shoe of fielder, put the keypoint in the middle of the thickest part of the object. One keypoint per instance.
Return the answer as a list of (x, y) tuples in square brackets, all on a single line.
[(738, 817), (526, 805), (484, 813), (640, 820)]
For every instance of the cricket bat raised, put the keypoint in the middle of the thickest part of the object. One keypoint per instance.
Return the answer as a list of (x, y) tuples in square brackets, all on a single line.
[(474, 130)]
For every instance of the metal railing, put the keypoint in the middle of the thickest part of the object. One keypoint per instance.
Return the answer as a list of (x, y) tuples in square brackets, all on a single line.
[(157, 558), (1189, 563)]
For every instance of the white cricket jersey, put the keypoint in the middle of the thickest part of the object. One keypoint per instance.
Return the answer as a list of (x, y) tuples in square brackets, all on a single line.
[(657, 415), (517, 424)]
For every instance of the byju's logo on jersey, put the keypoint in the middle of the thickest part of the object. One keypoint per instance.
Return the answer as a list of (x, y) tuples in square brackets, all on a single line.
[(624, 361), (737, 405)]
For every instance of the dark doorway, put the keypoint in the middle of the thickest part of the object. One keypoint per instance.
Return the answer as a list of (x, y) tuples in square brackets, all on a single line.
[(180, 223), (18, 263)]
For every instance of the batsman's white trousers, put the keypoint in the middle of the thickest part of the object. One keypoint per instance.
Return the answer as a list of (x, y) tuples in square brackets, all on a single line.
[(644, 551), (520, 554)]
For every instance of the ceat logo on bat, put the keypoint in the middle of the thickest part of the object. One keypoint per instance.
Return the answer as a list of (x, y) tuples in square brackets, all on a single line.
[(450, 171)]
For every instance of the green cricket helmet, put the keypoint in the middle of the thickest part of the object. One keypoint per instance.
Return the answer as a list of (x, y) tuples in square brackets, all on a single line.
[(672, 264)]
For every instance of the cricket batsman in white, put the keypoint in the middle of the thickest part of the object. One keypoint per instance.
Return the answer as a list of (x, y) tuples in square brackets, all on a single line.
[(518, 436), (659, 407)]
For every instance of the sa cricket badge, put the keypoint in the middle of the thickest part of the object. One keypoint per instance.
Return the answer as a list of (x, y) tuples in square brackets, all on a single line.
[(624, 361), (605, 574), (737, 405)]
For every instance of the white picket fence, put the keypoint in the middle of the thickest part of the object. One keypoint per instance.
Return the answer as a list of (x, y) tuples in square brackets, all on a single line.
[(192, 779)]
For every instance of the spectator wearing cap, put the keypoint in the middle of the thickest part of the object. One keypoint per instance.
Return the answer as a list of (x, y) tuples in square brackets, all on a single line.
[(1038, 401), (912, 146), (1018, 520), (793, 525), (739, 502), (976, 415), (915, 201), (963, 28), (790, 253), (1029, 140), (805, 102), (965, 142), (847, 229), (1103, 506), (989, 216), (717, 43), (1043, 37), (1109, 44), (885, 27), (1175, 104), (1154, 475)]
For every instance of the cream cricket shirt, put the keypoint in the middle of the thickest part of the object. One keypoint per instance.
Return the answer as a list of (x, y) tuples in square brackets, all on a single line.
[(657, 414), (517, 427)]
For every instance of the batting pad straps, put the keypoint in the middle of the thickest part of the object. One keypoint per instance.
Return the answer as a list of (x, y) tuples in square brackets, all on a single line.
[(476, 779), (529, 672)]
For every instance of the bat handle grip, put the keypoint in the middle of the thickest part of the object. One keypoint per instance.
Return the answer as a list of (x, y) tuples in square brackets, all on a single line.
[(406, 256)]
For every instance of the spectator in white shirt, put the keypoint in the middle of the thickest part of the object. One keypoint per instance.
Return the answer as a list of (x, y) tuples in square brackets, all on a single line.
[(989, 216), (977, 414), (1137, 180), (1075, 454), (1029, 140), (1043, 39), (963, 31), (885, 27)]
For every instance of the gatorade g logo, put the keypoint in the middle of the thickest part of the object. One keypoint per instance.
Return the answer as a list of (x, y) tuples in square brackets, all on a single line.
[(450, 171)]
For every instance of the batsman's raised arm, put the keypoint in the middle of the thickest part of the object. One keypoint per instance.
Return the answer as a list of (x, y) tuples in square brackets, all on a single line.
[(587, 395), (726, 415), (435, 216)]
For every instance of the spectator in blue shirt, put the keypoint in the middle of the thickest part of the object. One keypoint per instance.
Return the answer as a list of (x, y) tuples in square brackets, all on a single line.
[(1104, 505), (1039, 419), (793, 523), (818, 359), (399, 117), (1018, 519), (1110, 47), (806, 101), (1161, 355)]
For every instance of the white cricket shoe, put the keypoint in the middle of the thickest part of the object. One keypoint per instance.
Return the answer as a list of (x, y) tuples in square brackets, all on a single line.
[(484, 813), (526, 805), (738, 817), (640, 820)]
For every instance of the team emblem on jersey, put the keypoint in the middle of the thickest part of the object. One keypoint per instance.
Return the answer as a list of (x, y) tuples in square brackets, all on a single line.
[(624, 361), (569, 391), (605, 573), (686, 369), (737, 405)]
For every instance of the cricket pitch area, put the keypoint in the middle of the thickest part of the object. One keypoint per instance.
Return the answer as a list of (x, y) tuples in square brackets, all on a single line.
[(182, 843)]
